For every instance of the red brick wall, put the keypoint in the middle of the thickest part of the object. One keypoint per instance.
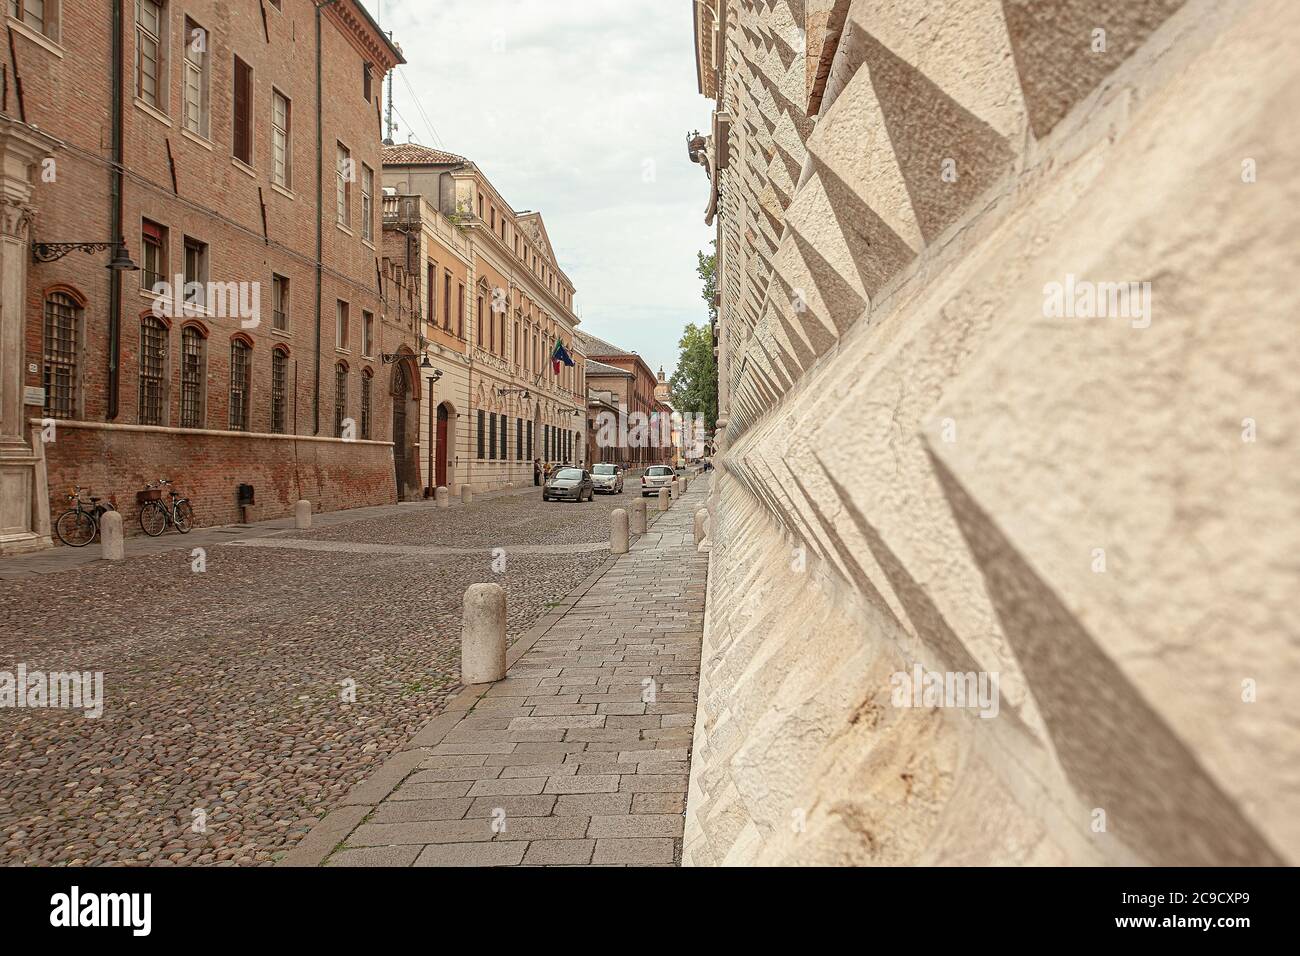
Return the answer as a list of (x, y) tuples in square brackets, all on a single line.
[(115, 463), (219, 202)]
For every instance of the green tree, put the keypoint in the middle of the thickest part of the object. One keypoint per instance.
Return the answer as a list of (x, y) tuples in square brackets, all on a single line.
[(694, 384)]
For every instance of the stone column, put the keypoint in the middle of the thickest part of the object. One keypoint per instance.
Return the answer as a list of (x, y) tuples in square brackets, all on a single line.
[(24, 495)]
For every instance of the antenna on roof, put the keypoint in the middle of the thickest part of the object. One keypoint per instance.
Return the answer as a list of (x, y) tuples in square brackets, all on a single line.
[(390, 126)]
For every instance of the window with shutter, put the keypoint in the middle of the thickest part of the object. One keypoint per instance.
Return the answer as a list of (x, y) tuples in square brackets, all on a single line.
[(243, 95)]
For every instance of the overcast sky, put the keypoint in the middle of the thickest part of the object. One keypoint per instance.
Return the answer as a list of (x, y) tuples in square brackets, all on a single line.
[(578, 109)]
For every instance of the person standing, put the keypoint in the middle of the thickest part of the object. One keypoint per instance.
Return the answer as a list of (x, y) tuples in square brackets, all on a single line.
[(537, 471)]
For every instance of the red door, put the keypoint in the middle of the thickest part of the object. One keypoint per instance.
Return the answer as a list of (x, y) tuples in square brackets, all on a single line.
[(440, 454)]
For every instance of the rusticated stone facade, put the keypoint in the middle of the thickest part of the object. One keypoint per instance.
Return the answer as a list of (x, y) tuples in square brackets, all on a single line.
[(926, 464)]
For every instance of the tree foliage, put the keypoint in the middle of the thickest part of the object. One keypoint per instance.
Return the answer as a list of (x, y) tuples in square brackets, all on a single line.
[(694, 384)]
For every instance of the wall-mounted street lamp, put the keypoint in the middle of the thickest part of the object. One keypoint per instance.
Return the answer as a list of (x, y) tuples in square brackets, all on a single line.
[(54, 251), (388, 358)]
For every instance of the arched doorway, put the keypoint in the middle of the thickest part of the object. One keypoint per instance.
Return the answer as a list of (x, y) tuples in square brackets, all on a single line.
[(405, 465), (444, 445)]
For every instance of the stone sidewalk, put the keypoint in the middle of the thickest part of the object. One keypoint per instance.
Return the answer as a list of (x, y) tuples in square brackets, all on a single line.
[(581, 756)]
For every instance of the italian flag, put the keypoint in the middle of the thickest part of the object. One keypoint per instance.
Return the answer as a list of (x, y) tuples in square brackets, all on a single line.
[(560, 355)]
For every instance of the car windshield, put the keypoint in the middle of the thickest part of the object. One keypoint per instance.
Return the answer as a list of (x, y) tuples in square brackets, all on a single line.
[(604, 470), (569, 474), (658, 470)]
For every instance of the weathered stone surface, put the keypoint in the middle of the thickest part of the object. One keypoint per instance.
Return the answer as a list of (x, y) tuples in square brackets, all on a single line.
[(923, 465)]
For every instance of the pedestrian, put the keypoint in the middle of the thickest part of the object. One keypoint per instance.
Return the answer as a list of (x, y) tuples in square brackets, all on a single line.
[(537, 471)]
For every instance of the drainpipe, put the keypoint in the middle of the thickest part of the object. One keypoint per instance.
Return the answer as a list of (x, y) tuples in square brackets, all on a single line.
[(320, 209), (115, 189)]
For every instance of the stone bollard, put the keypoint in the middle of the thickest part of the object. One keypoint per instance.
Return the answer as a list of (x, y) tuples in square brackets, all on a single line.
[(701, 516), (686, 484), (442, 495), (638, 516), (676, 489), (466, 494), (618, 531), (663, 499), (302, 515), (112, 545), (483, 634)]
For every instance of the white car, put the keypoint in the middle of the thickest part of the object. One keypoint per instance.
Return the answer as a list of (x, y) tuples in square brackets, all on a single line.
[(656, 477), (608, 478)]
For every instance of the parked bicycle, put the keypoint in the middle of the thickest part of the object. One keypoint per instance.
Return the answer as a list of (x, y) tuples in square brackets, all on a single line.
[(79, 525), (155, 515)]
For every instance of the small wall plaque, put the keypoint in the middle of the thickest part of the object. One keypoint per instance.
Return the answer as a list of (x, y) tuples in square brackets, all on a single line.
[(33, 395)]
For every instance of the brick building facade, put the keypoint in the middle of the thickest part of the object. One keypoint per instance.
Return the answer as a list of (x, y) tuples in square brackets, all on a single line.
[(249, 143), (634, 387)]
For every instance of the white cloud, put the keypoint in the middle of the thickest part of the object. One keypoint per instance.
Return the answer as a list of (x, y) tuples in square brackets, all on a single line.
[(564, 104)]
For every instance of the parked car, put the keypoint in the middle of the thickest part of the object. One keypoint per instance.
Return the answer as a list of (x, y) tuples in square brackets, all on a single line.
[(656, 477), (572, 484), (608, 478)]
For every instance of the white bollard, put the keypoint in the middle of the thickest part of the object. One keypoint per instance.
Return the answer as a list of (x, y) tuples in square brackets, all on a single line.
[(686, 484), (466, 494), (112, 545), (483, 634), (442, 495), (302, 515), (618, 531), (663, 499), (700, 517), (638, 516)]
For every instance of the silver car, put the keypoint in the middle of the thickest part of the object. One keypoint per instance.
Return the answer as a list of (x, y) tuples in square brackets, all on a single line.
[(656, 477), (608, 478), (572, 484)]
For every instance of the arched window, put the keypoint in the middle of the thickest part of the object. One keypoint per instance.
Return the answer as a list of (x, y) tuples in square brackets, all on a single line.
[(280, 390), (340, 397), (366, 380), (241, 384), (62, 333), (153, 371), (193, 364)]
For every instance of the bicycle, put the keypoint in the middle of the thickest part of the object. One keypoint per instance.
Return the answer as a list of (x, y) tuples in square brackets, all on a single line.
[(155, 516), (79, 525)]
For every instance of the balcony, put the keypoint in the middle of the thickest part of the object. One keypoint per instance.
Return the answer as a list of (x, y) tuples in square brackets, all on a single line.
[(405, 211)]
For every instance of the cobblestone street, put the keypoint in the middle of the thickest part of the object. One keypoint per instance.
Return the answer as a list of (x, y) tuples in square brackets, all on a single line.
[(224, 690)]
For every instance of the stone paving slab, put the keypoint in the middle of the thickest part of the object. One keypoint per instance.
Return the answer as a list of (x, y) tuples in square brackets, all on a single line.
[(582, 755)]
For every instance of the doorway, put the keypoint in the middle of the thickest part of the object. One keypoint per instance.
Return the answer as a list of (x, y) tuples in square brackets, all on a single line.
[(440, 447)]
